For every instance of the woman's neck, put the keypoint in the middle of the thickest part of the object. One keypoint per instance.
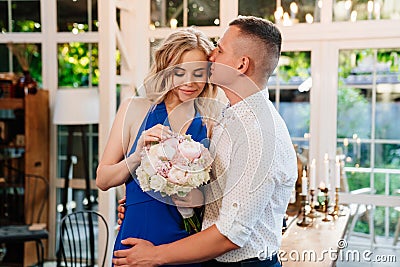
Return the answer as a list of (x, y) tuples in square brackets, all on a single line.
[(180, 114)]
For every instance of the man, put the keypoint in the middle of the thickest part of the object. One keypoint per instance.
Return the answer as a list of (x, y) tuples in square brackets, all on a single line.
[(254, 168)]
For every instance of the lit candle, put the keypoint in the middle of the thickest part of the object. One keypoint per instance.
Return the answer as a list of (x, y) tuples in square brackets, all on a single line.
[(326, 169), (345, 144), (293, 10), (322, 186), (370, 7), (312, 175), (304, 183), (337, 182), (278, 14)]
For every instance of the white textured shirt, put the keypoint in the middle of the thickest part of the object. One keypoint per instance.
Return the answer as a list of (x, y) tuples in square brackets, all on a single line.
[(254, 173)]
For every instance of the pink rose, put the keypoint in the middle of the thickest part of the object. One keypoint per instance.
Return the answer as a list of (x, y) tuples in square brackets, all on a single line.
[(190, 150)]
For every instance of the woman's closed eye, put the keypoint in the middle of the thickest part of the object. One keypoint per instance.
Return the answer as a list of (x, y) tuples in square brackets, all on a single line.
[(199, 73), (179, 72)]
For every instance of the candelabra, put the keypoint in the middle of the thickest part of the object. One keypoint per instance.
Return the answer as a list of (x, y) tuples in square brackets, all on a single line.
[(312, 213), (325, 190), (305, 221)]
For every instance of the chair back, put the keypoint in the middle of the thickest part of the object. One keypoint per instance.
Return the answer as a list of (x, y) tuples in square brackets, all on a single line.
[(24, 198), (79, 231)]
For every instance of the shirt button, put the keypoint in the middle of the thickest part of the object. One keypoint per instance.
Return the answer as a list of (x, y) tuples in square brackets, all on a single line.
[(235, 205)]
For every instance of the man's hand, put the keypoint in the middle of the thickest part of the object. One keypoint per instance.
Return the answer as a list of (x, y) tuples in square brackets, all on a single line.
[(193, 199), (121, 211), (142, 253)]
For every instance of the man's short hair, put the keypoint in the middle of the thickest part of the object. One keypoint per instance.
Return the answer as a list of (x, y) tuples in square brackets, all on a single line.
[(264, 31)]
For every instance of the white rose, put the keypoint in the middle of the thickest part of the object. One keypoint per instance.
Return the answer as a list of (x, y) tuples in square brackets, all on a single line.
[(170, 189), (157, 182), (148, 165), (143, 179), (195, 179)]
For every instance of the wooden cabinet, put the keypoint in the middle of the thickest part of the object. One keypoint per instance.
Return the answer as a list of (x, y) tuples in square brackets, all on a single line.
[(24, 124)]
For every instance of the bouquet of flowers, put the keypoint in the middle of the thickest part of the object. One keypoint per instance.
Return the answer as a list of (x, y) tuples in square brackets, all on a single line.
[(175, 166)]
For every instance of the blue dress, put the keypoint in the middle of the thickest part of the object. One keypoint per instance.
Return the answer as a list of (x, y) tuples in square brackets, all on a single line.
[(147, 217)]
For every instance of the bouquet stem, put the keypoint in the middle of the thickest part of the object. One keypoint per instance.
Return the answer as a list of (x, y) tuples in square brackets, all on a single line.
[(192, 224)]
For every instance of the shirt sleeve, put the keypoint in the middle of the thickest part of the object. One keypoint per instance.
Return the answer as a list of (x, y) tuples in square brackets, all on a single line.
[(249, 185)]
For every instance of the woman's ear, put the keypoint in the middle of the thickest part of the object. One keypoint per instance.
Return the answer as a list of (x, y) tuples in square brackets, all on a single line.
[(243, 64)]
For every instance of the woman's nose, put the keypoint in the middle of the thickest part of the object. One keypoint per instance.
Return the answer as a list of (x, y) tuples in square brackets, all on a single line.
[(212, 56)]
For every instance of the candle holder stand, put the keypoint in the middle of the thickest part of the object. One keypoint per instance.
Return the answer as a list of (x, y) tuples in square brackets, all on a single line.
[(313, 213), (336, 209), (326, 203), (305, 221)]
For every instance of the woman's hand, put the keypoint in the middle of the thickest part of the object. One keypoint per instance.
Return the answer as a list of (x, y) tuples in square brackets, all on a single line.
[(154, 134), (193, 199), (121, 211)]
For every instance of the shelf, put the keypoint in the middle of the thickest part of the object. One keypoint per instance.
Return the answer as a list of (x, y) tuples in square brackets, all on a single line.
[(11, 103)]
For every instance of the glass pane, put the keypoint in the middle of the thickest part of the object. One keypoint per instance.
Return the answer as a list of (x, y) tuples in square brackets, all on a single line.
[(291, 12), (78, 167), (345, 10), (4, 55), (3, 16), (387, 156), (25, 16), (164, 12), (388, 94), (290, 87), (355, 94), (25, 57), (74, 16), (357, 180), (203, 12), (78, 65)]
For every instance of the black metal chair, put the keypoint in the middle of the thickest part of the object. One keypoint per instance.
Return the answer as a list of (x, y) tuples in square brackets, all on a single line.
[(78, 234), (23, 202)]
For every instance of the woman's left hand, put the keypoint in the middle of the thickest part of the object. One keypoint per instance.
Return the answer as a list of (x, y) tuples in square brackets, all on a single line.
[(193, 199)]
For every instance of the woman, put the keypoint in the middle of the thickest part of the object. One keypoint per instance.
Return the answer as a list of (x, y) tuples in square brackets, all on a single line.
[(177, 86)]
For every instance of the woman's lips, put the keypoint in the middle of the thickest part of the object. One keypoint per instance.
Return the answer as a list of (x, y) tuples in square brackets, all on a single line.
[(187, 92)]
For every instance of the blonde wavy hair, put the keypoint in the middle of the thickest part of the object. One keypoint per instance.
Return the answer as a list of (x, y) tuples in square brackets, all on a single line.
[(159, 82)]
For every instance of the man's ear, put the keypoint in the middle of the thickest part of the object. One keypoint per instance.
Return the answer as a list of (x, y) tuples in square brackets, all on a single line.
[(244, 64)]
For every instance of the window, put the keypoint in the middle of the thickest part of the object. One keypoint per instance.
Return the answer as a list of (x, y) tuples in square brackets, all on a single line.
[(289, 89), (368, 106), (352, 10), (20, 16), (171, 13), (288, 13), (77, 16)]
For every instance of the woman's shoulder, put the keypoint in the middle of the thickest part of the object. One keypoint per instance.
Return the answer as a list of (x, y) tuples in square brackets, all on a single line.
[(136, 103)]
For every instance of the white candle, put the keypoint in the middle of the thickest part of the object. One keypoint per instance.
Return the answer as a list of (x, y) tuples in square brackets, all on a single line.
[(337, 182), (322, 185), (293, 10), (370, 7), (358, 149), (304, 183), (345, 144), (326, 169), (312, 175)]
